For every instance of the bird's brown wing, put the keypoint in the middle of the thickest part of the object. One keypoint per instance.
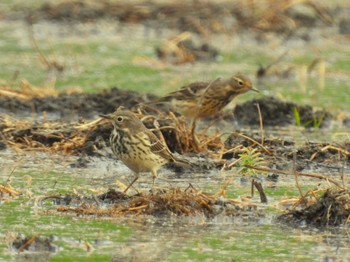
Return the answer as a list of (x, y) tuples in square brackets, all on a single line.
[(188, 92), (213, 86), (157, 147)]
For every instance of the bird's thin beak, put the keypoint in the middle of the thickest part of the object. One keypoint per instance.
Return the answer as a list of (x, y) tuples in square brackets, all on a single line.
[(106, 116), (255, 90)]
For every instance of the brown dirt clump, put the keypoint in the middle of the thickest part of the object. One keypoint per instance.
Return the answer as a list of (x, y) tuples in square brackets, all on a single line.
[(75, 104), (332, 209), (275, 112), (163, 203)]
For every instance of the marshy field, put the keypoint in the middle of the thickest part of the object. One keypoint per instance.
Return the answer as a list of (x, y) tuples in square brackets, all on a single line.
[(270, 174)]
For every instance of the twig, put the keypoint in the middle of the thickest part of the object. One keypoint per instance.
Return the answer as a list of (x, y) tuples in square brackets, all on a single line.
[(260, 189), (254, 141), (8, 190), (50, 64), (224, 187), (138, 208), (295, 174), (28, 243), (264, 169), (261, 124)]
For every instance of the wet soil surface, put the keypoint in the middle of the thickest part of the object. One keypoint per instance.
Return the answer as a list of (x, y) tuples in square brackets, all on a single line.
[(62, 133), (274, 112), (74, 105), (90, 138), (69, 137)]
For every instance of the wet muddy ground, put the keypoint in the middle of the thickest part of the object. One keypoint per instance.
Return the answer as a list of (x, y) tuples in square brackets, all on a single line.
[(56, 159), (183, 193), (90, 138)]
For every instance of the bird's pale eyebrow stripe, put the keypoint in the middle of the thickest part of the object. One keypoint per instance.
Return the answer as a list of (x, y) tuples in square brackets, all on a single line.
[(237, 79)]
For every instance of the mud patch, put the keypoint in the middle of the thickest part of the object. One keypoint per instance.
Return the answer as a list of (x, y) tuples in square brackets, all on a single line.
[(76, 104), (332, 209), (275, 112), (34, 248), (33, 243), (283, 153)]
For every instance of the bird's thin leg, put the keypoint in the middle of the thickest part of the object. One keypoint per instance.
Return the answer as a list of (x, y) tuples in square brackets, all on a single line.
[(154, 176), (193, 135), (136, 177), (217, 118)]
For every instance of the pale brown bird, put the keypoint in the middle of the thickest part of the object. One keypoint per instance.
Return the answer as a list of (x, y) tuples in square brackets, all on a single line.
[(203, 99), (136, 146)]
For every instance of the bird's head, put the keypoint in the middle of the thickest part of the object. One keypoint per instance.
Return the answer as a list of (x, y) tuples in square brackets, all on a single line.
[(124, 120), (241, 84)]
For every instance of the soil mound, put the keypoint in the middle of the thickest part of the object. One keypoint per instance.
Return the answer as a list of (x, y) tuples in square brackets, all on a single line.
[(162, 203), (332, 209), (275, 112)]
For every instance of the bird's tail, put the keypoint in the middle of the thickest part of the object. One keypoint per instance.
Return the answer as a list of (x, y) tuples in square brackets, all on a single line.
[(182, 162)]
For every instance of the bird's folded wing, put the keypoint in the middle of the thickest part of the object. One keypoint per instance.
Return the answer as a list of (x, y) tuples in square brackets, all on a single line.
[(157, 147)]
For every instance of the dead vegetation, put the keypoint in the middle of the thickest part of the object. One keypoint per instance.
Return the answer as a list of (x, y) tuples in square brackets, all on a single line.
[(162, 203), (181, 49), (7, 191), (331, 209), (35, 244)]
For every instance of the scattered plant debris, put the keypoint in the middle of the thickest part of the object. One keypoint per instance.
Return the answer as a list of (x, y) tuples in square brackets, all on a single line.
[(181, 49), (331, 209), (163, 202), (8, 191), (34, 243)]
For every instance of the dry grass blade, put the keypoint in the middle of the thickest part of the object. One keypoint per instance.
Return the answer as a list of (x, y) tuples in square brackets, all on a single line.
[(330, 147), (27, 91), (252, 140), (28, 243), (9, 190)]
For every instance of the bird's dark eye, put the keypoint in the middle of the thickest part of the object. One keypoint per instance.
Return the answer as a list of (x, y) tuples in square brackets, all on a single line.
[(119, 119), (240, 82)]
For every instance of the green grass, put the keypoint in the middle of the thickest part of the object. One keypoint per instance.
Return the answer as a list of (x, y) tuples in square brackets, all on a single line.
[(102, 62), (29, 217), (252, 245)]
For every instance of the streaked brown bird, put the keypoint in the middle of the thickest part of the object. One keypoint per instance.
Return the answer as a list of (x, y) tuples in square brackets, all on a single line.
[(136, 146), (203, 99)]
